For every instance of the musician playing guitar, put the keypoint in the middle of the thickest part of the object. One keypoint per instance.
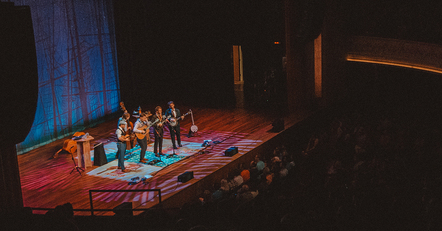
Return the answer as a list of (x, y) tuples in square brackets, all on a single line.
[(174, 115), (158, 119), (142, 127)]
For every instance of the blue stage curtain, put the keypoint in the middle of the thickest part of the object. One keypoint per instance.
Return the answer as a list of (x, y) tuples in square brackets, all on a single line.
[(77, 67)]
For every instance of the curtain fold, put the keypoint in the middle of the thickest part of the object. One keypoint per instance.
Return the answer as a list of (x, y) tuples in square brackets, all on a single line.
[(77, 67)]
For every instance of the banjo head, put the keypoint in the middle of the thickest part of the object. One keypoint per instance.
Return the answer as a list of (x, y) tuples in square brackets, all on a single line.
[(194, 128)]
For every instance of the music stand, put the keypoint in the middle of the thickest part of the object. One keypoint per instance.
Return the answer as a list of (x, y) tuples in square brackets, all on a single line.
[(79, 169)]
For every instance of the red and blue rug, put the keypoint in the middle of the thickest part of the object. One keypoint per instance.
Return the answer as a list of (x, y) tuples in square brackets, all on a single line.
[(138, 169)]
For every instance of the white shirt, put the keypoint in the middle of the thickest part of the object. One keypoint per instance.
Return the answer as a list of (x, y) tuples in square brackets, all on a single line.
[(139, 124)]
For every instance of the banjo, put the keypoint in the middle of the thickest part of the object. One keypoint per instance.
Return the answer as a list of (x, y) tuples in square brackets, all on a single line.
[(174, 121), (193, 128)]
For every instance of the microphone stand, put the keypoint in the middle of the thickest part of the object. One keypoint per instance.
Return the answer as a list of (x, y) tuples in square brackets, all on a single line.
[(79, 169)]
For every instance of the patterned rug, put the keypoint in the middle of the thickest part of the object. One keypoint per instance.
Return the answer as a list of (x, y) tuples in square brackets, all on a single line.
[(138, 169)]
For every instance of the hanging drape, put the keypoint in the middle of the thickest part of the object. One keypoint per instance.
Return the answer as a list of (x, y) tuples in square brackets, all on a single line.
[(77, 67)]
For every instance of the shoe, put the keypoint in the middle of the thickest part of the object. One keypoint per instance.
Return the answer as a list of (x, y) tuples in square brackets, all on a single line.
[(156, 154), (179, 145), (119, 167), (143, 161), (125, 170), (174, 147), (161, 154)]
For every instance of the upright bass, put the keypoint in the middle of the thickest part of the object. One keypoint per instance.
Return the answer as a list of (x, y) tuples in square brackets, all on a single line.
[(129, 144)]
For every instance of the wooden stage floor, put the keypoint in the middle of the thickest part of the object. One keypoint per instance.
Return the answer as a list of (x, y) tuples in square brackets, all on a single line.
[(46, 182)]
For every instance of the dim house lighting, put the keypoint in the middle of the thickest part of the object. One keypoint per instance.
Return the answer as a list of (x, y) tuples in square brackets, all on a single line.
[(392, 63)]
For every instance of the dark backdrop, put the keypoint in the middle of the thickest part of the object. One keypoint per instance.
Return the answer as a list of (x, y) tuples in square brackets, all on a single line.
[(415, 20), (181, 50)]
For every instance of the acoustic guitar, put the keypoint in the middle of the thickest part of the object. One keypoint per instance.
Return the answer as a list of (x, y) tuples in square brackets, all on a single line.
[(146, 128), (69, 145)]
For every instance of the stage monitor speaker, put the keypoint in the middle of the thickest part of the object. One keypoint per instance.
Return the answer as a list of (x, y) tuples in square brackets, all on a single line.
[(185, 177), (231, 151), (278, 125), (124, 209), (99, 155)]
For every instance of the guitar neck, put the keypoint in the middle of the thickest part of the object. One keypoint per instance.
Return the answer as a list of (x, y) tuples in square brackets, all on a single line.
[(191, 115), (179, 117)]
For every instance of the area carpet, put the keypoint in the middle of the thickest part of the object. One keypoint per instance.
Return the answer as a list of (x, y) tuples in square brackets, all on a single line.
[(138, 169)]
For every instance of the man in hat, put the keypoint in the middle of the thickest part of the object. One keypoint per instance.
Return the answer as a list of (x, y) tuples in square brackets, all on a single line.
[(121, 144)]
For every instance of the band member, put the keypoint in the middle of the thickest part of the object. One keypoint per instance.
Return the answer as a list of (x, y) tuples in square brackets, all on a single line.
[(141, 127), (174, 114), (121, 145), (158, 130), (125, 117)]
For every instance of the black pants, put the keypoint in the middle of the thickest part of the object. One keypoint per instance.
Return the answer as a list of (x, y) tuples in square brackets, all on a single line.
[(158, 141), (175, 131), (143, 146)]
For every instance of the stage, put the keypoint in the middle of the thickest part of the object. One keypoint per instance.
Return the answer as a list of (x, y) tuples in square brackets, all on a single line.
[(47, 182)]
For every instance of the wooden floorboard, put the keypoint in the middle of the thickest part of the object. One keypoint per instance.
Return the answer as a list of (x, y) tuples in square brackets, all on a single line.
[(47, 182)]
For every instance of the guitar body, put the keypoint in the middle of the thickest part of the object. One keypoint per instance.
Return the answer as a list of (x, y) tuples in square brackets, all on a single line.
[(69, 145), (78, 134), (146, 127), (141, 135)]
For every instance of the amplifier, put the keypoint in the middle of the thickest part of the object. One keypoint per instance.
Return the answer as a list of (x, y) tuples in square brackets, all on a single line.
[(185, 177), (99, 155), (231, 151)]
